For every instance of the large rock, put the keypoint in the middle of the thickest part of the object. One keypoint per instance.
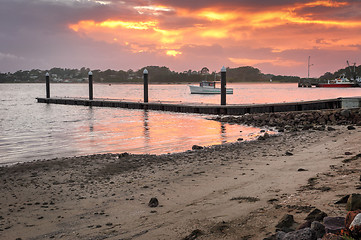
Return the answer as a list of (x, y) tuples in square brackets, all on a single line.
[(316, 215), (355, 226), (343, 199), (318, 228), (303, 234), (345, 113), (350, 217), (353, 202), (334, 224), (285, 223)]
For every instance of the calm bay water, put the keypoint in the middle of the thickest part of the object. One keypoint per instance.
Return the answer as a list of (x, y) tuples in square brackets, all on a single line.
[(31, 130)]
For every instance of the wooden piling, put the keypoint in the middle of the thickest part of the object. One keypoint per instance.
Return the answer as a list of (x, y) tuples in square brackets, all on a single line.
[(47, 80), (90, 74), (145, 78), (223, 86)]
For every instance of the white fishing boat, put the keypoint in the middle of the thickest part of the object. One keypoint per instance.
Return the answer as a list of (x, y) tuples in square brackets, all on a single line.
[(208, 87)]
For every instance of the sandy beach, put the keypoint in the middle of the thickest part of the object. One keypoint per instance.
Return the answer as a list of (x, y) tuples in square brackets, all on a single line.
[(231, 191)]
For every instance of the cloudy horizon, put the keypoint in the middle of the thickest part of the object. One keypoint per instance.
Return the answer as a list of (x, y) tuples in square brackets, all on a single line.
[(274, 36)]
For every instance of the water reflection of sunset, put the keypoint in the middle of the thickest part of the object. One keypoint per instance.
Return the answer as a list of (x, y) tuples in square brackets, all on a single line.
[(158, 133)]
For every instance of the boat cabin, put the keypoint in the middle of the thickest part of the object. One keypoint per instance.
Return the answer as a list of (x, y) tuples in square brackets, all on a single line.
[(207, 84)]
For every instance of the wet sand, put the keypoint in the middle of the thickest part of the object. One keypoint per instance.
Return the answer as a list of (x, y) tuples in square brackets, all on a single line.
[(231, 191)]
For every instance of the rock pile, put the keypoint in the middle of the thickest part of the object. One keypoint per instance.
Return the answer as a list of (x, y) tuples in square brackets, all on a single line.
[(298, 120), (319, 226)]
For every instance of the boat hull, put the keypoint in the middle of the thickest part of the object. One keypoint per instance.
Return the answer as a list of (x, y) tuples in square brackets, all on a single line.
[(208, 90), (335, 85)]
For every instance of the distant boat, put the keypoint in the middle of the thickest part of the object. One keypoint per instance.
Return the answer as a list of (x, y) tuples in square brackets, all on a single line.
[(208, 87), (341, 82)]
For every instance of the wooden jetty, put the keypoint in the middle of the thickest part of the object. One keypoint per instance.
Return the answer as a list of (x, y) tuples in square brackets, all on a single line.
[(230, 109)]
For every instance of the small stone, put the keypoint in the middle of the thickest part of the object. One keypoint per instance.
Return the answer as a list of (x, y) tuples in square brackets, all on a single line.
[(280, 235), (266, 135), (153, 202), (281, 129), (301, 170), (331, 236), (261, 138), (124, 154), (197, 147), (348, 153), (240, 139), (288, 153), (331, 129), (272, 200), (351, 128), (194, 235)]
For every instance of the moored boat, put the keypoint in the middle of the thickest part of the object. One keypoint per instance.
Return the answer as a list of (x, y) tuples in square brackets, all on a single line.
[(341, 82), (208, 87)]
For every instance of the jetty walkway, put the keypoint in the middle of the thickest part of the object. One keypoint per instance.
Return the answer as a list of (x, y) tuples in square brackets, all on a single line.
[(230, 109)]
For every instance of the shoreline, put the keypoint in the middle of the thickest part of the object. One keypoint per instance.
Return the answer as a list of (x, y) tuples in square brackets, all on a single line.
[(232, 191)]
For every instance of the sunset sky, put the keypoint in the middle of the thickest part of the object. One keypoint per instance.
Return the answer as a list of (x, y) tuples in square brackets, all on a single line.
[(275, 36)]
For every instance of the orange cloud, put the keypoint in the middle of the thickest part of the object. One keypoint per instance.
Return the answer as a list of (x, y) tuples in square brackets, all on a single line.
[(326, 3), (173, 53), (86, 25), (275, 62), (291, 27)]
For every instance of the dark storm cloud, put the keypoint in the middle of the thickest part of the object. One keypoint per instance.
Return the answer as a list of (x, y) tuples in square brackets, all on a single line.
[(35, 33), (15, 15)]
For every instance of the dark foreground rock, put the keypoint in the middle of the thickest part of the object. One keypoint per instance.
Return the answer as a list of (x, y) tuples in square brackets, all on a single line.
[(303, 234), (353, 202), (153, 202), (334, 224), (285, 223)]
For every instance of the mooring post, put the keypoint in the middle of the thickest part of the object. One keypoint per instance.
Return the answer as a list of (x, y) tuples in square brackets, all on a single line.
[(223, 86), (145, 77), (90, 85), (47, 80)]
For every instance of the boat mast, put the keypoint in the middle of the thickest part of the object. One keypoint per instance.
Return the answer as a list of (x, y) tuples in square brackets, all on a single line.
[(353, 73), (308, 67)]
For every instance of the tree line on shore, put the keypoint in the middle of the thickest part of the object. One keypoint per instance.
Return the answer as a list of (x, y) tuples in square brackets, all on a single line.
[(157, 75)]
